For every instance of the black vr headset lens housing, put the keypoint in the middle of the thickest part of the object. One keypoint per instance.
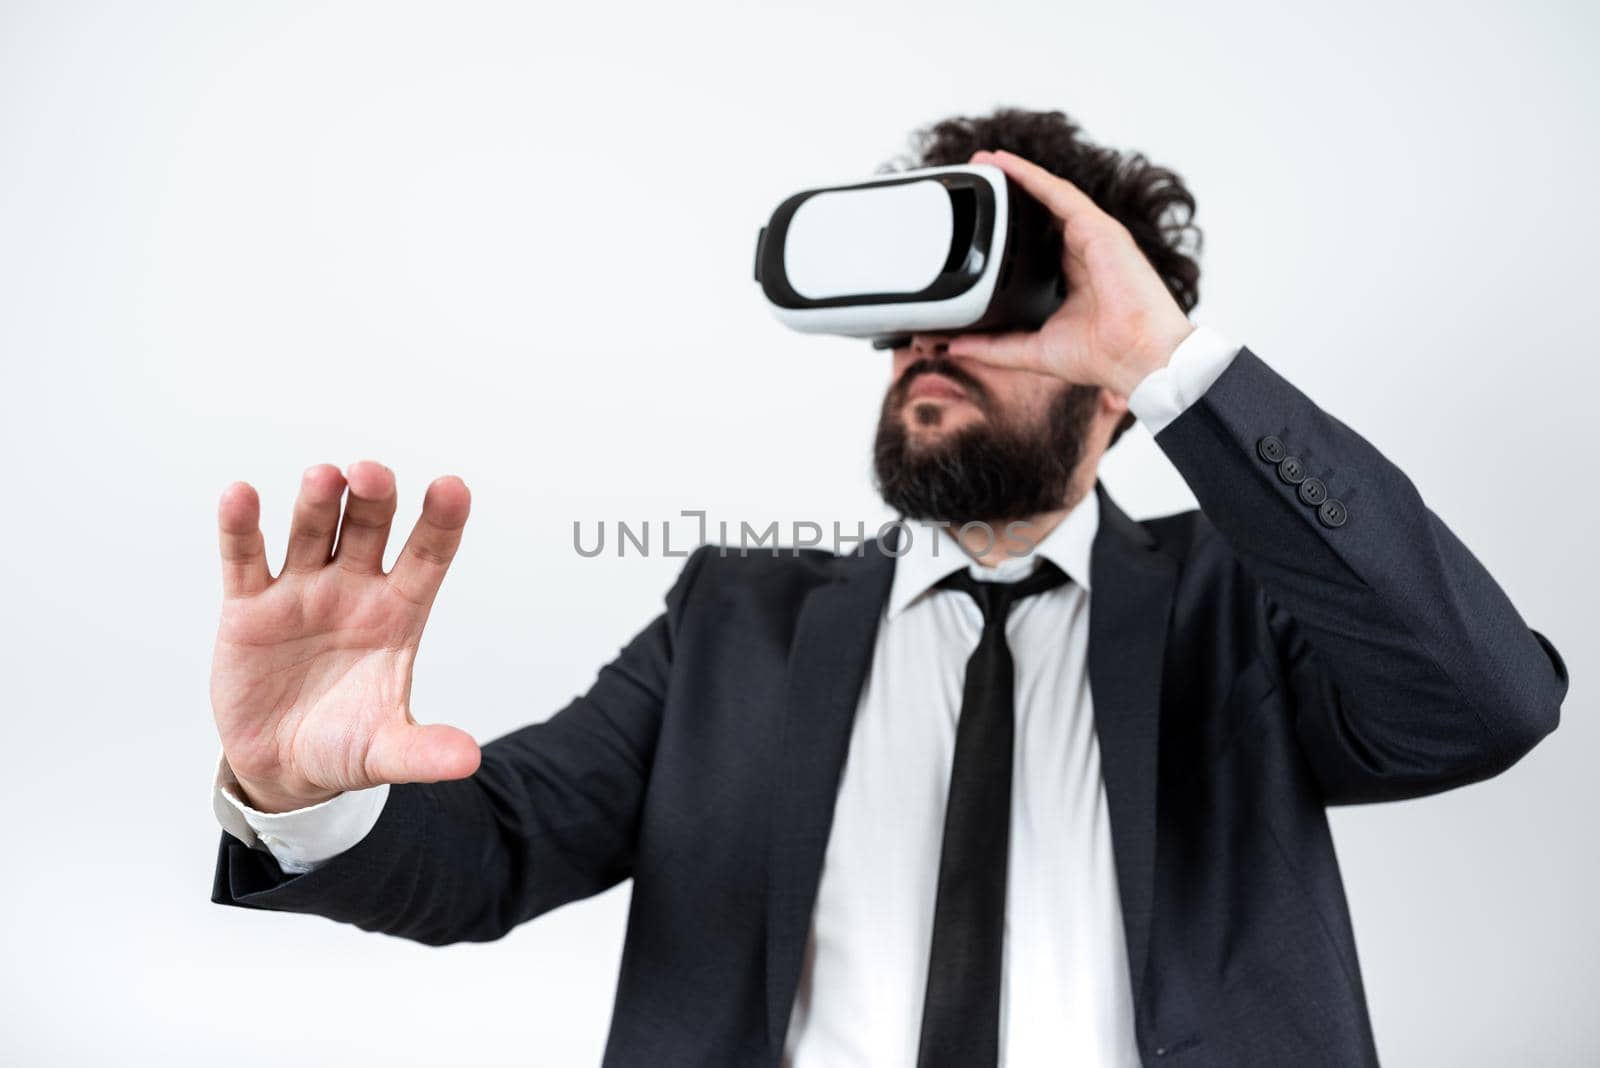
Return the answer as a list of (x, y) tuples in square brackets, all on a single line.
[(938, 249)]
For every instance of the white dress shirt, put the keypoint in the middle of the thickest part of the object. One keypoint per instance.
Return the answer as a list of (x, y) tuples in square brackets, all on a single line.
[(1065, 996)]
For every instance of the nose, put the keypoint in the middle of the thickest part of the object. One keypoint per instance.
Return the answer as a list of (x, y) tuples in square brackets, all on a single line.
[(924, 346)]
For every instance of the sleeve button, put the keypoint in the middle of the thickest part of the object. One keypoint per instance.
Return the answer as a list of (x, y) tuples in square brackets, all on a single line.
[(1271, 449), (1332, 513), (1292, 470), (1313, 491)]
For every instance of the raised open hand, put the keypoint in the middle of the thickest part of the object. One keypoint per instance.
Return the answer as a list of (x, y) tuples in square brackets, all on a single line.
[(311, 677)]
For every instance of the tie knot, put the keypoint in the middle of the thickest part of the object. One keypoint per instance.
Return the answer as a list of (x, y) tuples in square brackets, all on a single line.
[(996, 598)]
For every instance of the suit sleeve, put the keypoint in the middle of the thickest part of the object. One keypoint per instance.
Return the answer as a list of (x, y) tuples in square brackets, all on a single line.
[(1409, 669), (551, 816)]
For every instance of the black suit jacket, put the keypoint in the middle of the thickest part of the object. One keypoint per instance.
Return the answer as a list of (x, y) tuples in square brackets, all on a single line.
[(1249, 666)]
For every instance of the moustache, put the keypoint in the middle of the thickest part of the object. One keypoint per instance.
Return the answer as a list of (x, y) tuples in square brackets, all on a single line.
[(939, 365)]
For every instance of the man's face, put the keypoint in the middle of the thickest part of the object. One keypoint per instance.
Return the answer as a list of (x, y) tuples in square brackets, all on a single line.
[(961, 441)]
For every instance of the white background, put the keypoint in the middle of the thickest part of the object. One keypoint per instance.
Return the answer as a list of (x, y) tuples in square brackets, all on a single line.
[(514, 242)]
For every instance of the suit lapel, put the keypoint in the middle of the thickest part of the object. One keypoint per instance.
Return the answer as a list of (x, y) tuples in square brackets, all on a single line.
[(828, 664), (1130, 604)]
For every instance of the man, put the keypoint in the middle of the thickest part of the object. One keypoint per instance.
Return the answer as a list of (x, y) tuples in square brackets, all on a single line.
[(1035, 783)]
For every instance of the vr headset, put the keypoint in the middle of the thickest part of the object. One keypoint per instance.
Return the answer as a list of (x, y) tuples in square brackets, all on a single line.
[(939, 249)]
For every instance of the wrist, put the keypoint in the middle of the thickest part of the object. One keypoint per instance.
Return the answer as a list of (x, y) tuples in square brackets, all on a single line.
[(273, 798), (1144, 360)]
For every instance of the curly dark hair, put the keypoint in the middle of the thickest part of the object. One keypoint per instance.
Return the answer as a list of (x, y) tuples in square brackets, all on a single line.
[(1151, 201)]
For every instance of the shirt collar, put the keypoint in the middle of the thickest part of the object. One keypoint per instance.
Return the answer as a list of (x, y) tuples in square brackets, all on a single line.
[(931, 553)]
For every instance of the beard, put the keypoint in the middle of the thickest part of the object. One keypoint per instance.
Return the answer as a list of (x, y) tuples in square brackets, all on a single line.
[(996, 470)]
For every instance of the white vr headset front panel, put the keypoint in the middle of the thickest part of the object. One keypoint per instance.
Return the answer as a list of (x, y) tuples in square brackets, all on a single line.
[(899, 237), (916, 225)]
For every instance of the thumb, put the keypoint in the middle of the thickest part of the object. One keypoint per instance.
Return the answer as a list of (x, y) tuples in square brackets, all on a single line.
[(406, 752), (1016, 348)]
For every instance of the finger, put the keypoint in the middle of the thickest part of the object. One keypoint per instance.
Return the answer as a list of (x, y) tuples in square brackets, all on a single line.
[(367, 514), (244, 557), (406, 752), (1072, 209), (1066, 201), (316, 519), (1016, 348), (419, 571)]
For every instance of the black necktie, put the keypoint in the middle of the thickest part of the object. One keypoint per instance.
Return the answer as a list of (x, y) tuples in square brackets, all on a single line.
[(961, 1008)]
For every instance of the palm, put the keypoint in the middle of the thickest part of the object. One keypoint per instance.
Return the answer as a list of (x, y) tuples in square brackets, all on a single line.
[(309, 670), (1105, 315), (311, 677)]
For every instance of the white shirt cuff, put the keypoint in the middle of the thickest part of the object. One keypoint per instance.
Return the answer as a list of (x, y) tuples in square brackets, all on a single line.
[(1166, 392), (302, 838)]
